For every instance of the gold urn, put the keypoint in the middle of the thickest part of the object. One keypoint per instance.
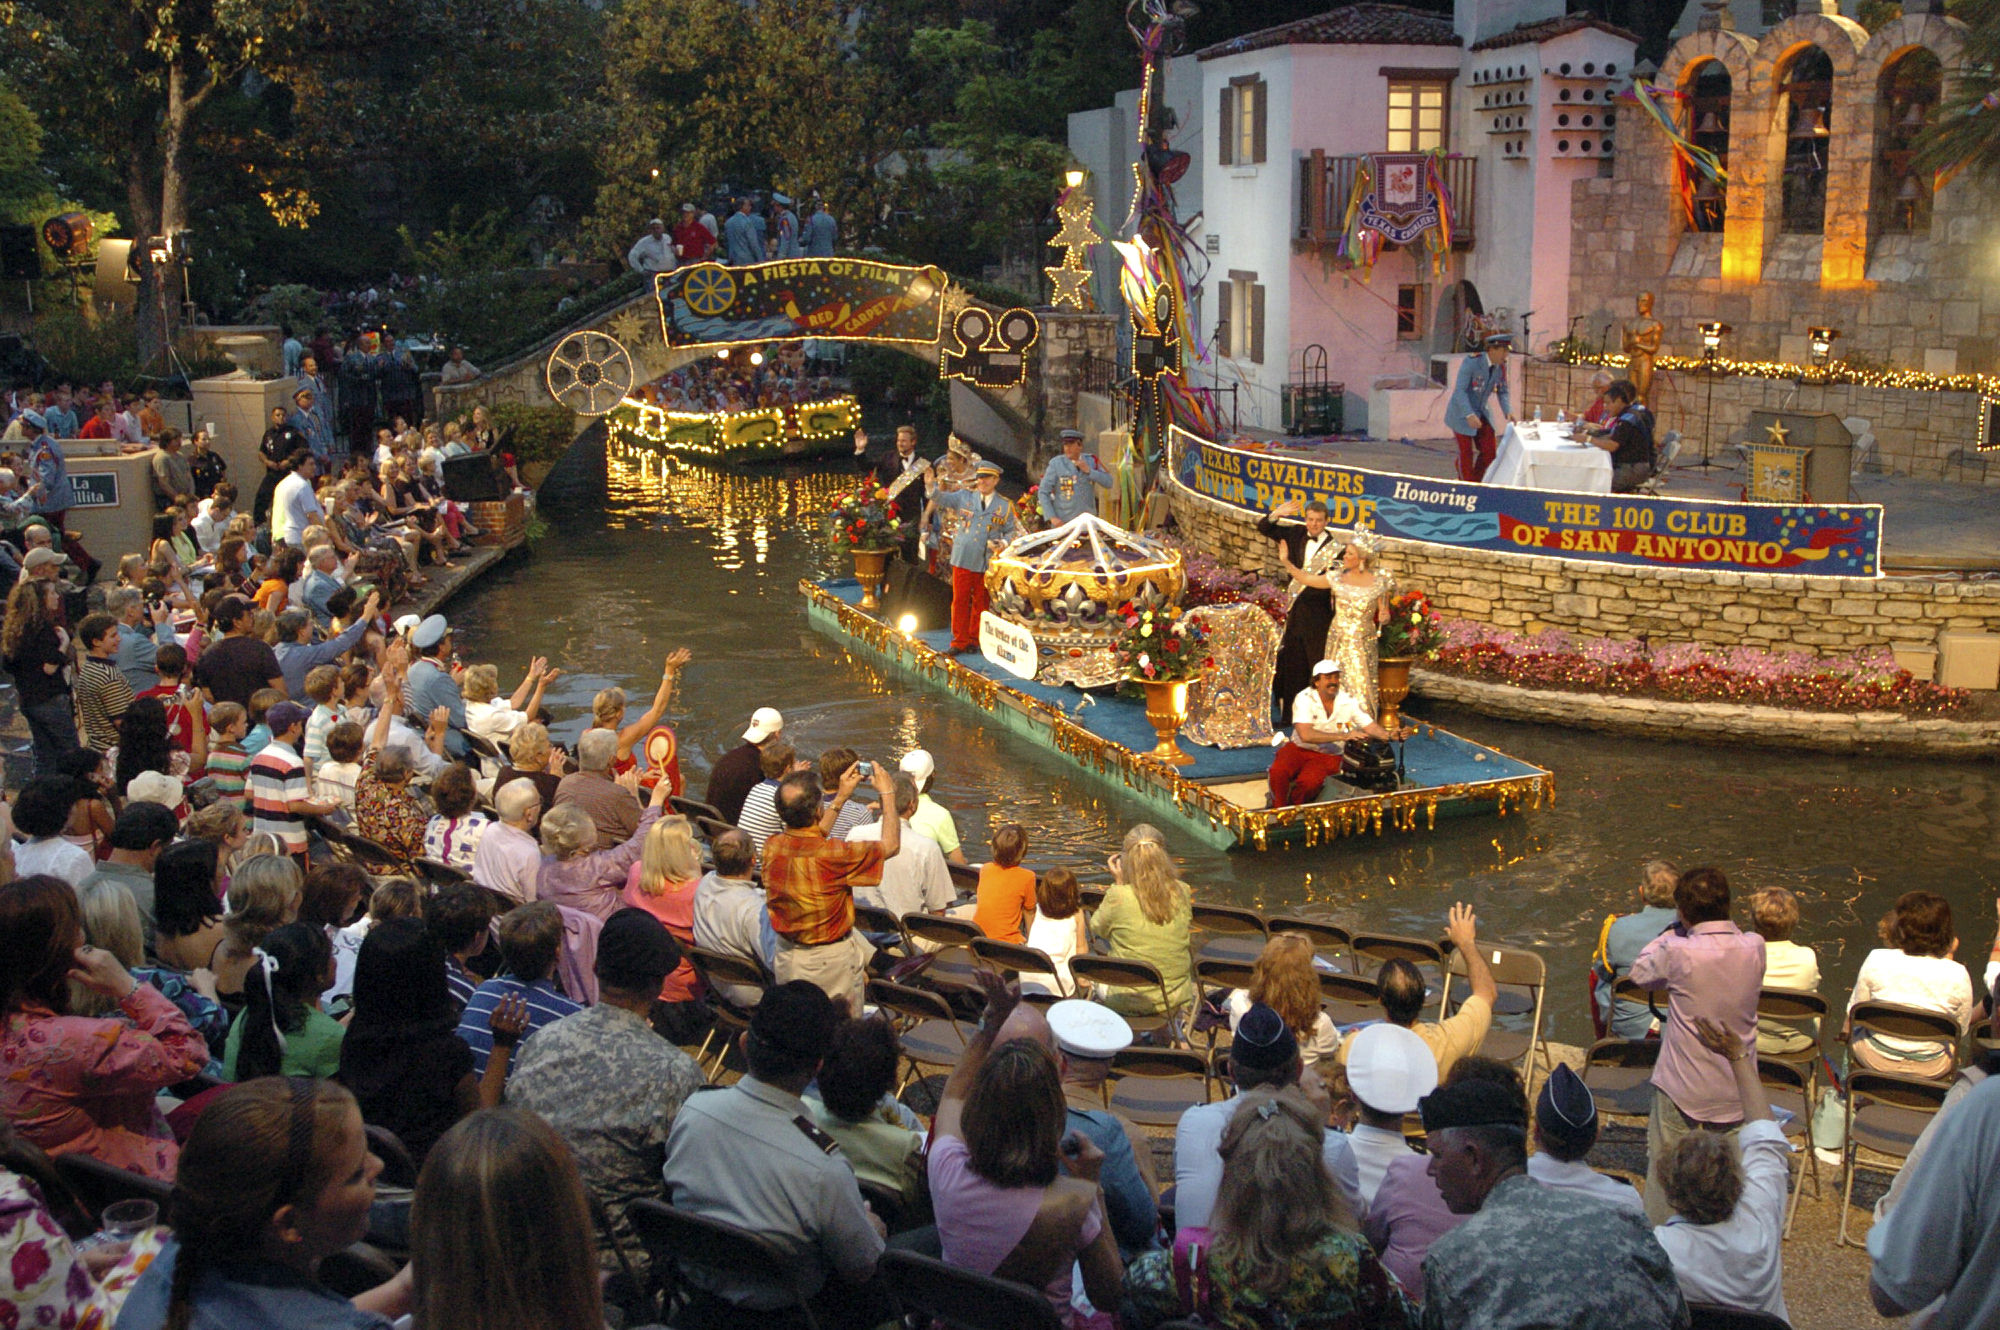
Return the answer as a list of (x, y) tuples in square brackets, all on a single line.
[(1065, 586)]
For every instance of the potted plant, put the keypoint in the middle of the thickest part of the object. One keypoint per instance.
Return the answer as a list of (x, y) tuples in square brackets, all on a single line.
[(1163, 651), (863, 522), (1410, 633)]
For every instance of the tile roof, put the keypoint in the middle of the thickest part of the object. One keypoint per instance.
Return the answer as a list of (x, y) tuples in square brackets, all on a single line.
[(1365, 24), (1551, 28)]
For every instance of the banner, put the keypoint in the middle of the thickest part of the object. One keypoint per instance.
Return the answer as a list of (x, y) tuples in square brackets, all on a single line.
[(1401, 203), (1817, 540), (712, 305)]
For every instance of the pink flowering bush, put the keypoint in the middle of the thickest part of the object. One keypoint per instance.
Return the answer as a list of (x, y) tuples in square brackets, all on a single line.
[(1210, 583), (1867, 680)]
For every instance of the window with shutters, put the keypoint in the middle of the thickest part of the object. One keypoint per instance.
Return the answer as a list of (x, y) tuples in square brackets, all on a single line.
[(1417, 114), (1239, 317), (1242, 121)]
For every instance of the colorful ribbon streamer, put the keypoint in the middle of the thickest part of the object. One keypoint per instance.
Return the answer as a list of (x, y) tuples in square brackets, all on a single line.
[(1689, 157)]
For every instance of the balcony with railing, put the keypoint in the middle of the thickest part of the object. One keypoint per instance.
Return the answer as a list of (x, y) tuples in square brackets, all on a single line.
[(1326, 183)]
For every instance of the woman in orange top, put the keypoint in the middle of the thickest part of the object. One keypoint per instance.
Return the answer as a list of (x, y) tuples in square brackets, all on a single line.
[(1006, 890), (285, 568)]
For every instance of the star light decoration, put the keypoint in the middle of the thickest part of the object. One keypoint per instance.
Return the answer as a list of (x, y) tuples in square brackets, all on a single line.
[(1071, 279)]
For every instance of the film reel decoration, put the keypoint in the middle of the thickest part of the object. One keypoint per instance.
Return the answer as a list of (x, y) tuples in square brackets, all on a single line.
[(589, 372), (709, 290), (1157, 351), (989, 351)]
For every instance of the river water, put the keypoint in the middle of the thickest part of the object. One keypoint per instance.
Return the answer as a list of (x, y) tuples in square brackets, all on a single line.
[(668, 555)]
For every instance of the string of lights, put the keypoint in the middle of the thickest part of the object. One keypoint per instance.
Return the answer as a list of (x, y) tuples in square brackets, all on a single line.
[(1835, 372), (760, 432)]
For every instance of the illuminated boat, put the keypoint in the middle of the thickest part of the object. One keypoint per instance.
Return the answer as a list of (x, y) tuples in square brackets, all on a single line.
[(773, 433)]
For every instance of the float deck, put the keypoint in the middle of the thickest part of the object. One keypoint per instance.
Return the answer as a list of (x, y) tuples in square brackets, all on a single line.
[(1220, 796)]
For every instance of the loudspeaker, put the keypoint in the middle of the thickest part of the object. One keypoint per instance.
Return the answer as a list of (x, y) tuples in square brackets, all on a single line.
[(18, 260), (475, 478)]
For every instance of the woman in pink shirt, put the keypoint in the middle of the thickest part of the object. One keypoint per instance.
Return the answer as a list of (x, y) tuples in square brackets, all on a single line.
[(1014, 1196), (662, 884), (75, 1083)]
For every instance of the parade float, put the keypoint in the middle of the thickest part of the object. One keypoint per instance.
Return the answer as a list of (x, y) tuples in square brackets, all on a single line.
[(1089, 652)]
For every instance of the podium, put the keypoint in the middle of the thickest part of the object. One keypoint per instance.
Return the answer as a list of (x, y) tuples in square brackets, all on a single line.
[(1812, 465)]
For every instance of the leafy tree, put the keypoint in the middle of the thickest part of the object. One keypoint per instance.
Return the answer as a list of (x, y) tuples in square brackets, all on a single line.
[(1966, 129)]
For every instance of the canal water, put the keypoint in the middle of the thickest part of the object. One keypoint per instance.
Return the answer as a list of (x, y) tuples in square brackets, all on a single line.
[(665, 555)]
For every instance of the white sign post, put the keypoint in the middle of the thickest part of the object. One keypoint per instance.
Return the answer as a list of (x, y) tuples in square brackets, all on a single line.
[(1008, 645)]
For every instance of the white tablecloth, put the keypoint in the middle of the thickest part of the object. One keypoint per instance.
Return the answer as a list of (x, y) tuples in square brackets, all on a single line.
[(1542, 457)]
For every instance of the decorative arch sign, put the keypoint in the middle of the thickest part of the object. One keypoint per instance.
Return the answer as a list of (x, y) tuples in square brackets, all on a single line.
[(711, 304), (1813, 540)]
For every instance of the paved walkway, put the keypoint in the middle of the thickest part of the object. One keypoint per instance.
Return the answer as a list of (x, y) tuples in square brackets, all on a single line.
[(1927, 524)]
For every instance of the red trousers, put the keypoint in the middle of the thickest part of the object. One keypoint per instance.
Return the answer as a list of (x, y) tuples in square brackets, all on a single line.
[(1475, 453), (968, 602), (1297, 773)]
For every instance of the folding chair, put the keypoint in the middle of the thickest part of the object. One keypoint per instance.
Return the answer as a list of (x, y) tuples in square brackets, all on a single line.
[(1237, 934), (1016, 959), (695, 808), (1910, 1023), (1092, 897), (97, 1184), (676, 1239), (931, 1036), (398, 1169), (964, 878), (1154, 1086), (878, 921), (1619, 1075), (1788, 1086), (1330, 941), (1885, 1113), (1373, 950), (724, 974), (961, 1300), (439, 875), (1788, 1011), (951, 937), (1522, 979), (1714, 1316), (374, 857), (1349, 999), (1143, 980), (712, 827)]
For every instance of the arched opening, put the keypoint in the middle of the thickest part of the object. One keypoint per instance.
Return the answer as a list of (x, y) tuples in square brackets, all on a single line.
[(1905, 105), (1805, 110), (1707, 87)]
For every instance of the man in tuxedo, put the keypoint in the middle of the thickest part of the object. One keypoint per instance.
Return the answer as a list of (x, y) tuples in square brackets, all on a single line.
[(1310, 546), (900, 465)]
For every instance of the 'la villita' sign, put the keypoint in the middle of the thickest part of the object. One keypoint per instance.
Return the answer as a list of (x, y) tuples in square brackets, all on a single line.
[(96, 489)]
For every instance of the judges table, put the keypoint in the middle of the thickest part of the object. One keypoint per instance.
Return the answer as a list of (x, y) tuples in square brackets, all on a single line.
[(1536, 456)]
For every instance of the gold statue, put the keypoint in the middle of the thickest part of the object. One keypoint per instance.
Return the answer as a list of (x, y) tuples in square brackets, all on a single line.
[(1642, 347)]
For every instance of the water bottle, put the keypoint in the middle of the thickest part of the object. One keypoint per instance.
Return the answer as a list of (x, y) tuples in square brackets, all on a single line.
[(1562, 417), (1538, 415)]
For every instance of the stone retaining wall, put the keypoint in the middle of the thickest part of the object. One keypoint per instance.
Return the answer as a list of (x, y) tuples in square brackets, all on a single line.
[(1932, 436), (1877, 732), (1528, 593)]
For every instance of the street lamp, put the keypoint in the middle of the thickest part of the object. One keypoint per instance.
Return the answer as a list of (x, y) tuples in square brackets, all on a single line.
[(1073, 177), (1821, 340), (1712, 333), (756, 357)]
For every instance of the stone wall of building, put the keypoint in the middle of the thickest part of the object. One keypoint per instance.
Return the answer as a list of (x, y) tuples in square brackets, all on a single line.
[(1919, 433), (1529, 593), (1921, 301)]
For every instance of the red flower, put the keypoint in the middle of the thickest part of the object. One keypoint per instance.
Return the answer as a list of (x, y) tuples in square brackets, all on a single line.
[(1173, 644), (30, 1263)]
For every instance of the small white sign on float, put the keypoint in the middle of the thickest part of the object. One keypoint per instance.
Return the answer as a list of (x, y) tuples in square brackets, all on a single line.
[(1008, 645)]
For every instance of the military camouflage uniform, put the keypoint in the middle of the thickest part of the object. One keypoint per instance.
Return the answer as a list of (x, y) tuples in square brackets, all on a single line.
[(1551, 1259), (610, 1087)]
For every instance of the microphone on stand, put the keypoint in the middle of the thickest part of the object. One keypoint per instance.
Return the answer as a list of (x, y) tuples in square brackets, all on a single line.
[(1603, 338)]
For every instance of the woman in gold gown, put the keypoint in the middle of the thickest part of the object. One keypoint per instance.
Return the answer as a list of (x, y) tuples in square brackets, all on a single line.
[(1360, 607)]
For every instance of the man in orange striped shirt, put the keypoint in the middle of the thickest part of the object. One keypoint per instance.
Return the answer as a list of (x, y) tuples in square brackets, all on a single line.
[(809, 883)]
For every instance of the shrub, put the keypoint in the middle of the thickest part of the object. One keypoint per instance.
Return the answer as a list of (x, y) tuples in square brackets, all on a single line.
[(541, 433)]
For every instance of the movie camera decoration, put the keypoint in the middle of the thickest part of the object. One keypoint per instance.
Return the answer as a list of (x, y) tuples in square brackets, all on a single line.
[(989, 351)]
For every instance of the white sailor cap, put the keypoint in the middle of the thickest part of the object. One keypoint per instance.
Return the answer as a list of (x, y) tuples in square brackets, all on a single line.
[(1390, 1068), (1088, 1029)]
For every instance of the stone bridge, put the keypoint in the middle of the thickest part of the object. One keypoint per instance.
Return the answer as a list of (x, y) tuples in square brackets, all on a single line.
[(1018, 422)]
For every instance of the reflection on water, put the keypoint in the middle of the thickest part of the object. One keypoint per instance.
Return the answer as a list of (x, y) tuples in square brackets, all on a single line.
[(681, 555)]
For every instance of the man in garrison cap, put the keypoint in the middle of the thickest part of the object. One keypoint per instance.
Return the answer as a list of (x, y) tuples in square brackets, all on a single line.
[(1530, 1255), (1565, 1129)]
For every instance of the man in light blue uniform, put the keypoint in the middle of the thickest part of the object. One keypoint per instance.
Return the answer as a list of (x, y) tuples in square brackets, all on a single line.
[(51, 472), (989, 520), (1066, 487), (1479, 378), (821, 230), (309, 422), (430, 684), (787, 223), (743, 236)]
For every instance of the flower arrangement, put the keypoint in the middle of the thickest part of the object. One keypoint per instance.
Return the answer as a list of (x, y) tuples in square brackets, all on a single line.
[(1413, 628), (1210, 583), (1688, 672), (862, 519), (1161, 646)]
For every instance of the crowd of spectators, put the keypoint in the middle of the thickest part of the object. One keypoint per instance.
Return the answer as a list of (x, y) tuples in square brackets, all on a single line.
[(289, 899), (774, 375)]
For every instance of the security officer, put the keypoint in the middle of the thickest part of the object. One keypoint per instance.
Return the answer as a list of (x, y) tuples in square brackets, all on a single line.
[(1064, 492), (752, 1155), (989, 520)]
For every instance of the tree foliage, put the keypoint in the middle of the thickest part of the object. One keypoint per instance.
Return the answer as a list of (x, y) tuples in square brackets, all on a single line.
[(1965, 129)]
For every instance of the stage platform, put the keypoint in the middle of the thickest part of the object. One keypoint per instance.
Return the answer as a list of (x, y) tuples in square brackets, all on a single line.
[(1927, 525), (1220, 797)]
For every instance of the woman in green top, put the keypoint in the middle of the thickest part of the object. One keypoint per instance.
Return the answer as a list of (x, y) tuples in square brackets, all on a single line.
[(282, 1031), (1149, 916)]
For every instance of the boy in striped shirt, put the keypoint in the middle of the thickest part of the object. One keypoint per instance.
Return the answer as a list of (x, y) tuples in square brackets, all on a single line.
[(228, 764), (280, 800)]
